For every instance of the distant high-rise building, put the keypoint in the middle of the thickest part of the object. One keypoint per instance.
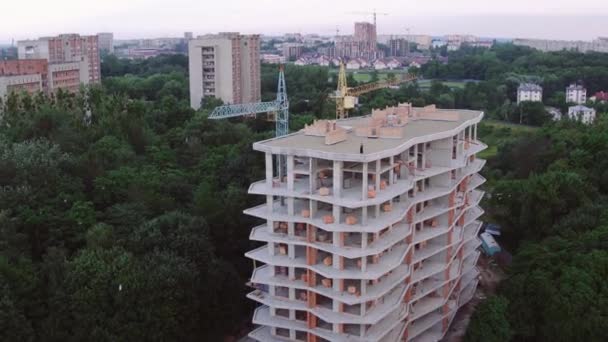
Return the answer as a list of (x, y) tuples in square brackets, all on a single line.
[(576, 93), (363, 44), (63, 49), (225, 66), (365, 34), (106, 42), (292, 51), (188, 35), (398, 47)]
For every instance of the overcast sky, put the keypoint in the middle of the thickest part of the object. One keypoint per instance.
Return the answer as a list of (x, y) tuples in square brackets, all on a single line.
[(558, 19)]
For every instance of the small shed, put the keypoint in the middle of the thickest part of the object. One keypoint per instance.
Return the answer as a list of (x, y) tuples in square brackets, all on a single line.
[(489, 244)]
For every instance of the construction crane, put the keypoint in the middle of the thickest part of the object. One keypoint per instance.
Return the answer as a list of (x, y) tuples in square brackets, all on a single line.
[(346, 97), (373, 13), (278, 110)]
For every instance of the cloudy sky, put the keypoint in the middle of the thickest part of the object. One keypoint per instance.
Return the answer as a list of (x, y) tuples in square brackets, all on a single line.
[(557, 19)]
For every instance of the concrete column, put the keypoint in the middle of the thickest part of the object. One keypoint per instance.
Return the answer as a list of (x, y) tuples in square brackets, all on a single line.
[(378, 165), (290, 175), (313, 177), (391, 173), (338, 176), (336, 212), (364, 215), (364, 182), (269, 203), (269, 169), (475, 132)]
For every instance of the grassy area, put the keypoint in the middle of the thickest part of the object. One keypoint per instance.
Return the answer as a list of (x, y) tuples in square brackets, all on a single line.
[(495, 132), (426, 84)]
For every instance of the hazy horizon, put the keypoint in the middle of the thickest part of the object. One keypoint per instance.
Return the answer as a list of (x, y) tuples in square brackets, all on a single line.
[(556, 19)]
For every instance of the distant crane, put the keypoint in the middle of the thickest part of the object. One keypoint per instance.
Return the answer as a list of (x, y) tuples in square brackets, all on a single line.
[(278, 110), (346, 97), (373, 13)]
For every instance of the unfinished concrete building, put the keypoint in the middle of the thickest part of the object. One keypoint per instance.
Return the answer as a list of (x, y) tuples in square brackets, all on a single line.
[(370, 229)]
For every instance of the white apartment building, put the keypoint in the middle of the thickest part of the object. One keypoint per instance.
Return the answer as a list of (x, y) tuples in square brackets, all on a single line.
[(225, 66), (529, 92), (370, 227), (576, 93), (584, 114)]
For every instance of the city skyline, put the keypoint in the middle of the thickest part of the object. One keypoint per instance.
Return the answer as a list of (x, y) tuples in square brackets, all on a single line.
[(147, 19)]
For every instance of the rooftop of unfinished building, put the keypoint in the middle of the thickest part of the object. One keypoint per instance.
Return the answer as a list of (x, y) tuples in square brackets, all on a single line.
[(421, 124)]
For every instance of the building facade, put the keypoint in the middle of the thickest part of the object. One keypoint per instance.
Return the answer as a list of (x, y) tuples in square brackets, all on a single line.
[(225, 66), (363, 44), (581, 113), (34, 75), (106, 42), (65, 48), (370, 227), (529, 92), (292, 51), (598, 45), (398, 47), (576, 93)]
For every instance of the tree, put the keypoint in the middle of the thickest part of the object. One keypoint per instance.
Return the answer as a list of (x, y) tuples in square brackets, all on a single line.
[(490, 322)]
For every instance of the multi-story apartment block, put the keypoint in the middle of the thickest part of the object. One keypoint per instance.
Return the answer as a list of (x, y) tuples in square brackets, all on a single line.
[(599, 44), (292, 51), (576, 93), (106, 42), (369, 227), (398, 47), (225, 66), (33, 75), (581, 113), (65, 48), (363, 44), (529, 92), (29, 76)]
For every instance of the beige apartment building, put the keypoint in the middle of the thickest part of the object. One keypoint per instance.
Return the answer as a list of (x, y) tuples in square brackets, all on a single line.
[(65, 48), (225, 66), (370, 227)]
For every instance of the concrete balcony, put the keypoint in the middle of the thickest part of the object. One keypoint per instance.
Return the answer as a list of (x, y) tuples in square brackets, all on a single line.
[(424, 323), (373, 316), (263, 275), (386, 241), (351, 197), (388, 262)]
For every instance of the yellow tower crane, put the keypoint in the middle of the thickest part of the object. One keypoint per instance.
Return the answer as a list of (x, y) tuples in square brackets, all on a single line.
[(346, 97)]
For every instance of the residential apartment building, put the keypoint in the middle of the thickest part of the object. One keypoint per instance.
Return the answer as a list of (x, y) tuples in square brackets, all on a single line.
[(65, 48), (584, 114), (369, 227), (398, 47), (598, 45), (529, 92), (292, 51), (576, 93), (225, 66), (363, 44), (33, 75), (106, 42)]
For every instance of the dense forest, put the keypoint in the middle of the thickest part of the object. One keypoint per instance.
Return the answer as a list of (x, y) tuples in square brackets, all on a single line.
[(121, 207)]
